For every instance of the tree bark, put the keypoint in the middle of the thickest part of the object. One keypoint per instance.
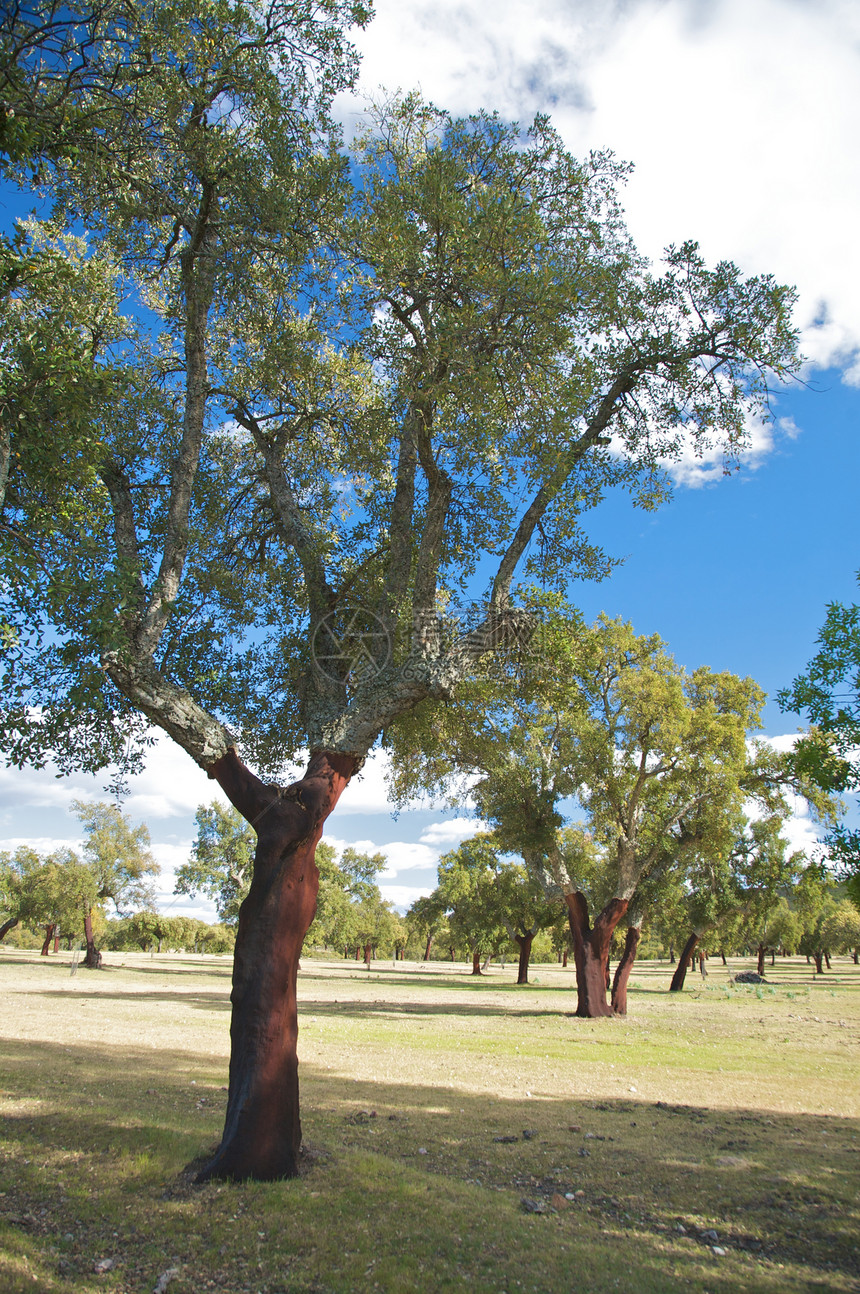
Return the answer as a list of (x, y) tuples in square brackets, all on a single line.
[(623, 969), (827, 961), (262, 1130), (564, 959), (93, 958), (819, 962), (684, 962), (7, 926), (760, 962), (427, 948), (591, 952), (50, 932), (723, 957), (524, 943), (476, 962)]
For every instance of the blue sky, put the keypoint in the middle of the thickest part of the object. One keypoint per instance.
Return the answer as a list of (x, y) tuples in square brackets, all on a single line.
[(742, 118)]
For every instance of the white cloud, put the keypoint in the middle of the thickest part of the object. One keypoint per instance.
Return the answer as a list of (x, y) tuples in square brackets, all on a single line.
[(452, 831), (740, 115), (171, 785), (403, 896)]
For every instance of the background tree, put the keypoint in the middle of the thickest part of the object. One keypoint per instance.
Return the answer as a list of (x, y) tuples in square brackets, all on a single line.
[(829, 695), (467, 890), (221, 862), (120, 860), (425, 916), (503, 332)]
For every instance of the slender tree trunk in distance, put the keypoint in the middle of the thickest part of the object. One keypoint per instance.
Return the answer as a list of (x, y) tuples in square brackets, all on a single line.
[(684, 961), (524, 943), (671, 955), (564, 959), (93, 957), (427, 948), (773, 956), (57, 941), (819, 962), (50, 932), (452, 951), (827, 960), (623, 969), (7, 926), (760, 962), (476, 962), (262, 1130), (591, 952), (357, 953), (367, 955), (723, 957), (856, 955)]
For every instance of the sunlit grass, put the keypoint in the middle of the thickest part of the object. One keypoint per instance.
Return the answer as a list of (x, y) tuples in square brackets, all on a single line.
[(713, 1110)]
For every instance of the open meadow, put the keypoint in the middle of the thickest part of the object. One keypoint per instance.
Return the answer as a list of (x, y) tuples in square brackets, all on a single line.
[(460, 1134)]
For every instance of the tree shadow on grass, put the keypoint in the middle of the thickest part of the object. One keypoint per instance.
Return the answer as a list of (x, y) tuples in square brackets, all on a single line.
[(661, 1185)]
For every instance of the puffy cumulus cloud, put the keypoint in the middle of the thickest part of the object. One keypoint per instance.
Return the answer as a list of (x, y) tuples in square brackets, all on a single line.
[(740, 115), (451, 832), (403, 896), (367, 792), (171, 785), (696, 470), (41, 844)]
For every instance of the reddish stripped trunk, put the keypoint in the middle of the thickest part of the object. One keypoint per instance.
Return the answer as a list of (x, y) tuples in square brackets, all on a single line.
[(623, 969), (50, 933), (476, 962), (427, 948), (819, 962), (93, 957), (591, 952), (684, 961), (262, 1130), (564, 959), (524, 943), (57, 942), (7, 926)]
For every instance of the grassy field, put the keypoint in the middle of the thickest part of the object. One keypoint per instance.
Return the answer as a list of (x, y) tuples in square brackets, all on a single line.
[(461, 1134)]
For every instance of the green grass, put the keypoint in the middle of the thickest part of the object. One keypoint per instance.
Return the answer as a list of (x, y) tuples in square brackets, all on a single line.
[(714, 1110)]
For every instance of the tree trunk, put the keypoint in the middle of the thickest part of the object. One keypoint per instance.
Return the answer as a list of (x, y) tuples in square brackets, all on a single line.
[(760, 962), (93, 958), (476, 962), (427, 948), (7, 926), (827, 961), (262, 1130), (452, 951), (591, 952), (856, 955), (368, 952), (524, 943), (564, 959), (723, 957), (623, 969), (57, 941), (671, 955), (50, 933), (819, 962), (684, 962), (357, 953)]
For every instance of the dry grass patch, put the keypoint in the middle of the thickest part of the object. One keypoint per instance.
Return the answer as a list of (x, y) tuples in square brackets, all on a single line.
[(462, 1133)]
